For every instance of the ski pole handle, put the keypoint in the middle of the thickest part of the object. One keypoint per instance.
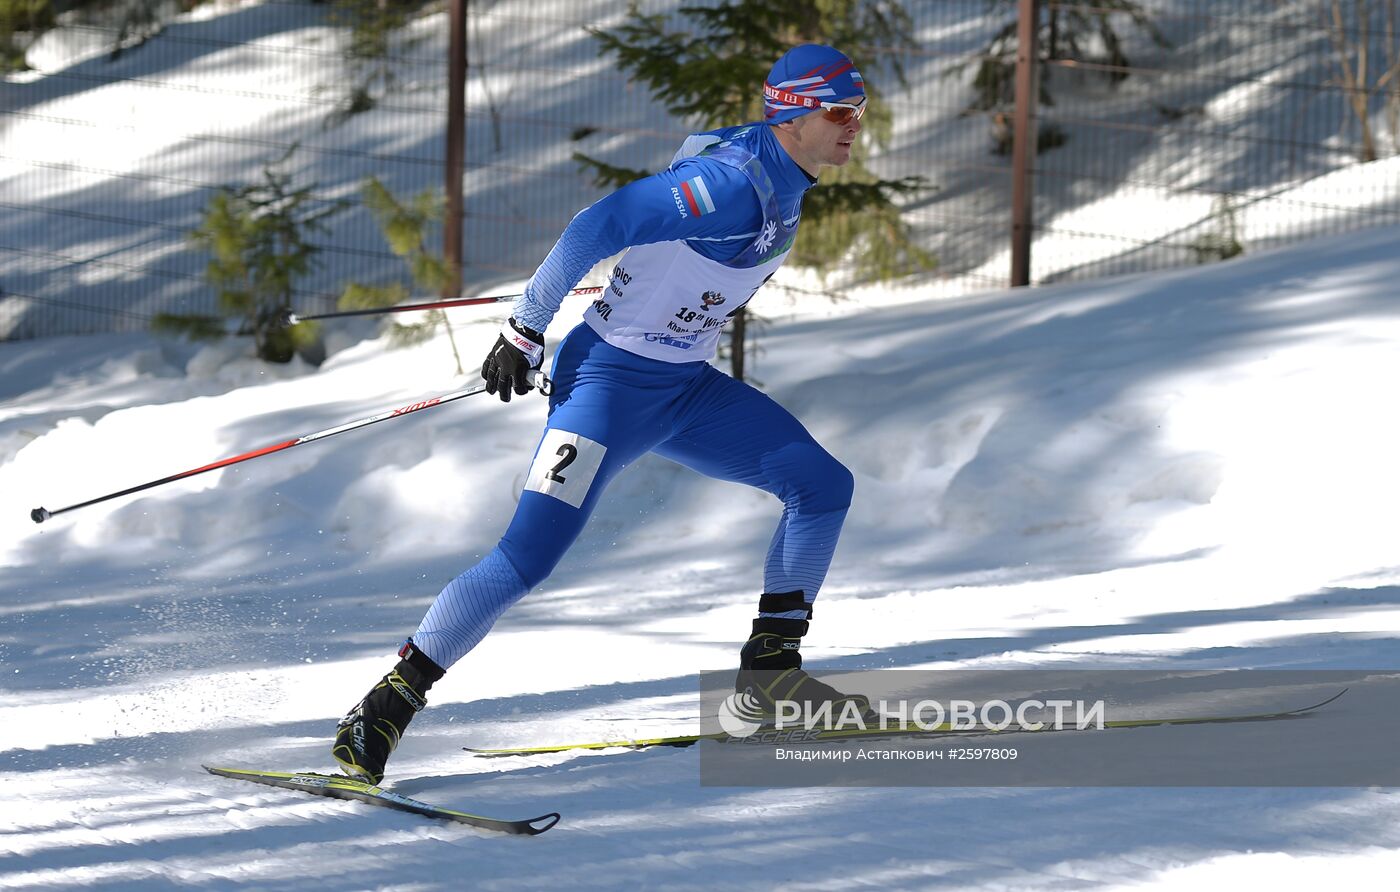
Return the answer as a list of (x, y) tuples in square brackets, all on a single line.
[(542, 381)]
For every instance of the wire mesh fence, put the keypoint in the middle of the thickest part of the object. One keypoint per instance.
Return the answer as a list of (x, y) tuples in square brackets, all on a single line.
[(1170, 132)]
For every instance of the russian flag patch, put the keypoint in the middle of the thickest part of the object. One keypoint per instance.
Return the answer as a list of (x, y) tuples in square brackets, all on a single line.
[(697, 197)]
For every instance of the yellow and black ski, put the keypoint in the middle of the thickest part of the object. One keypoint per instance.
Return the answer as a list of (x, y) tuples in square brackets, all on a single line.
[(339, 787), (770, 735)]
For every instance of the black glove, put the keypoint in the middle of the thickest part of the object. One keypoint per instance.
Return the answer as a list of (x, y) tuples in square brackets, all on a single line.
[(518, 352)]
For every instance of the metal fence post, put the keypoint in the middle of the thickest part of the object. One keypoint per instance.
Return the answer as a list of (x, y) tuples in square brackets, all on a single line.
[(1024, 142), (456, 145)]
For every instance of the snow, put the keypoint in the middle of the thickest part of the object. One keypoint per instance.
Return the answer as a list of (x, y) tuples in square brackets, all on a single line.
[(1189, 469)]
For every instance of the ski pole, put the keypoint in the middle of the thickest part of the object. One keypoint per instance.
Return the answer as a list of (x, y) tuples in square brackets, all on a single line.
[(39, 515), (290, 318)]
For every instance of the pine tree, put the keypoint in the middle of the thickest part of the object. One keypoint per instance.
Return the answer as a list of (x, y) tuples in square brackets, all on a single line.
[(258, 236), (21, 22), (374, 29), (132, 22), (405, 229), (710, 71), (1078, 30)]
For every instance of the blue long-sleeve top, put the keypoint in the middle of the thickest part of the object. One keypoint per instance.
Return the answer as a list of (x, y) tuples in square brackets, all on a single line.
[(663, 208)]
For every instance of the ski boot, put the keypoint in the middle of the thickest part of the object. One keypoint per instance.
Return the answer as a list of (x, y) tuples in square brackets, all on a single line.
[(770, 664), (369, 733)]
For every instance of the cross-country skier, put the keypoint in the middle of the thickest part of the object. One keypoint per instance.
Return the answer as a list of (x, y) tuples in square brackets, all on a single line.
[(702, 237)]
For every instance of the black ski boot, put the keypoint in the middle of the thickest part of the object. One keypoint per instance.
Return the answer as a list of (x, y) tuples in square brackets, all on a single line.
[(370, 732), (770, 664)]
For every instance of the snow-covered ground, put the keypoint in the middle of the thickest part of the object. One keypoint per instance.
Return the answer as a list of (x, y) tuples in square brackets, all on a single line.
[(1184, 470)]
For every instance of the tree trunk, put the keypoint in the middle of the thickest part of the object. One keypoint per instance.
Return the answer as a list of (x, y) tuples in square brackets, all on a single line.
[(1354, 79)]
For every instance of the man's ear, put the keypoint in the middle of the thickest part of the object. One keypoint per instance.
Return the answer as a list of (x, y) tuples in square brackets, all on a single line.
[(792, 126)]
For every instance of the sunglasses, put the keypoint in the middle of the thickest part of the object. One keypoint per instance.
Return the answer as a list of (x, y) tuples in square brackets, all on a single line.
[(842, 112)]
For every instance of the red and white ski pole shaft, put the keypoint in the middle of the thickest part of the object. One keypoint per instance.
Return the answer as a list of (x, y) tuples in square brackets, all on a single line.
[(293, 318), (39, 515)]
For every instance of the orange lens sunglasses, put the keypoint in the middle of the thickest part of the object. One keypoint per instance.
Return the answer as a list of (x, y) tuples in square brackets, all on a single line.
[(842, 112)]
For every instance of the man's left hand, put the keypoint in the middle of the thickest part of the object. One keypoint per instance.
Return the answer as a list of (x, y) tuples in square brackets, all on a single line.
[(519, 351)]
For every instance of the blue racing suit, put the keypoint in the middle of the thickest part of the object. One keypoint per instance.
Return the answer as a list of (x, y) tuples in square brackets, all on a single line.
[(702, 237)]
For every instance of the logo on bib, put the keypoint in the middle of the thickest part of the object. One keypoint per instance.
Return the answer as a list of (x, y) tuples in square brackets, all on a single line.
[(765, 239), (712, 298), (683, 342)]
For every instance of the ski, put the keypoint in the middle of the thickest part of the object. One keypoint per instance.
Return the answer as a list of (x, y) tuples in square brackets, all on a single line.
[(338, 787), (771, 735)]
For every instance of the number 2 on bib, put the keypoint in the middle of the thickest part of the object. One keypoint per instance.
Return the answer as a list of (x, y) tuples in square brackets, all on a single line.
[(569, 452), (565, 466)]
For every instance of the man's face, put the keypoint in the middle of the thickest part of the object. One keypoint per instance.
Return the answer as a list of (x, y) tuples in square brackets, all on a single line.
[(819, 141)]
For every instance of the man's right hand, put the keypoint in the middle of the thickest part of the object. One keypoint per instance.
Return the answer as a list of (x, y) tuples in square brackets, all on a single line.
[(518, 352)]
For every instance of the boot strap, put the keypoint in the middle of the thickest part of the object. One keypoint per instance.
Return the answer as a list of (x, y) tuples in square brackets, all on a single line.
[(784, 602), (783, 628), (432, 673), (405, 690)]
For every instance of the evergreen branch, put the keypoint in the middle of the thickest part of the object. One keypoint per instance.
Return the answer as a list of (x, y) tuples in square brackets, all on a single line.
[(607, 175), (202, 328), (847, 197)]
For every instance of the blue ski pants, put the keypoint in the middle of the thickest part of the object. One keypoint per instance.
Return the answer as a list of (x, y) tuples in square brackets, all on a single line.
[(609, 407)]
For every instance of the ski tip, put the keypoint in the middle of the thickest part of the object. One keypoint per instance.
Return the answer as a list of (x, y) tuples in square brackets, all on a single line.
[(1328, 700), (239, 773), (542, 823)]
